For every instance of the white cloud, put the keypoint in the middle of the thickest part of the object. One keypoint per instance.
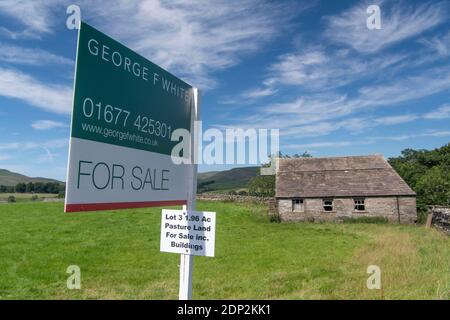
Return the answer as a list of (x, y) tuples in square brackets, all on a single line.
[(353, 125), (47, 157), (192, 39), (19, 147), (369, 140), (317, 107), (36, 16), (441, 45), (48, 124), (196, 38), (316, 69), (249, 96), (27, 56), (393, 120), (323, 105), (316, 145), (314, 121), (52, 144), (297, 68), (302, 114), (16, 35), (442, 112), (314, 130), (9, 146), (306, 110), (4, 157), (422, 84), (258, 93), (399, 21), (425, 134), (49, 97), (28, 145)]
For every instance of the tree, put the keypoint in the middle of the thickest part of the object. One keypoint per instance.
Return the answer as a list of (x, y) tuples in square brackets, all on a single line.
[(30, 187), (53, 187), (262, 186), (39, 187), (427, 172), (303, 155), (306, 154), (434, 187), (9, 189), (296, 155), (21, 187)]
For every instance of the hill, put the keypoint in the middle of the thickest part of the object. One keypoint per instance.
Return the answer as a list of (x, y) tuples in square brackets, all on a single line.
[(9, 178), (236, 178)]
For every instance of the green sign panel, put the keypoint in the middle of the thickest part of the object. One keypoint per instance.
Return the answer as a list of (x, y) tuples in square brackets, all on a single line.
[(124, 113), (124, 99)]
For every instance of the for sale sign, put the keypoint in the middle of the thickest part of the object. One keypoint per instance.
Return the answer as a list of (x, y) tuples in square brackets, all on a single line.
[(188, 232), (125, 110)]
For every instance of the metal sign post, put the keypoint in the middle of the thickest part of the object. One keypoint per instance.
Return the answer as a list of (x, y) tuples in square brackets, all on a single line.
[(187, 260)]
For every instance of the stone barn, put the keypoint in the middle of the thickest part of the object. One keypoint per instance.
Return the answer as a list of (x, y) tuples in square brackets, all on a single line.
[(333, 189)]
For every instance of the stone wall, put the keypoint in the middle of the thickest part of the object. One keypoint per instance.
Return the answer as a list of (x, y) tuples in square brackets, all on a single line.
[(441, 218), (343, 208), (234, 198)]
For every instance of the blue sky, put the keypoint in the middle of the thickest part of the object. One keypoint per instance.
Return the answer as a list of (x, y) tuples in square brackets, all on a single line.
[(312, 69)]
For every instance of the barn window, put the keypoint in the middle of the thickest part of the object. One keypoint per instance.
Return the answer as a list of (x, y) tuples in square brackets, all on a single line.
[(297, 205), (328, 205), (360, 204)]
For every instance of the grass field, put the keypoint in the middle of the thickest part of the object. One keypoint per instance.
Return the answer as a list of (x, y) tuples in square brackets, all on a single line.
[(118, 253)]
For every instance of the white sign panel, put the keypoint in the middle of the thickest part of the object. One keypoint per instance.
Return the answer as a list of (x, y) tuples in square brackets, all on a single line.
[(188, 232)]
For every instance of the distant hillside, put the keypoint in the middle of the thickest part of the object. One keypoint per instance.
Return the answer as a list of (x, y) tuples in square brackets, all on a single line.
[(9, 178), (235, 178)]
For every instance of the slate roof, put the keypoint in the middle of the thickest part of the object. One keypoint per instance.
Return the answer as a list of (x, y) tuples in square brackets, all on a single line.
[(338, 177)]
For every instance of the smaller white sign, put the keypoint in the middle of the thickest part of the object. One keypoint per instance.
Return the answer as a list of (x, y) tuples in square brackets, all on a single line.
[(188, 232)]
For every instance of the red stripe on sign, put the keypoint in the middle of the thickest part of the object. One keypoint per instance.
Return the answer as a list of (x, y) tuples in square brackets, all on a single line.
[(120, 205)]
